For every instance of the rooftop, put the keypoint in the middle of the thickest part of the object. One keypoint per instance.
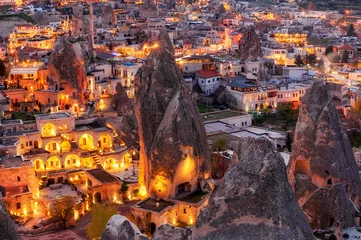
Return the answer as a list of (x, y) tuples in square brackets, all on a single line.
[(13, 162), (193, 197), (207, 73), (52, 116), (102, 176), (213, 116), (155, 205)]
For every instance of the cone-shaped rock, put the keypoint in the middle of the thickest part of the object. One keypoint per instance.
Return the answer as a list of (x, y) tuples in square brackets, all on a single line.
[(125, 124), (322, 169), (66, 67), (173, 142), (254, 200)]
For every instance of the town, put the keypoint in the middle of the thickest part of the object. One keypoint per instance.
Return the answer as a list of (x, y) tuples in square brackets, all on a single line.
[(176, 119)]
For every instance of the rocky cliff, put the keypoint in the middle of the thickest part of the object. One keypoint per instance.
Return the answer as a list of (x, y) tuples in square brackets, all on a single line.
[(66, 67), (250, 45), (120, 228), (173, 141), (322, 169), (108, 16), (254, 200), (125, 124), (7, 225)]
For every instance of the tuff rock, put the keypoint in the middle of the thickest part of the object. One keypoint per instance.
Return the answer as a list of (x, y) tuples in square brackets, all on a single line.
[(120, 228), (171, 134), (250, 45), (7, 225), (168, 231), (66, 67), (254, 200), (108, 16), (322, 168), (125, 124)]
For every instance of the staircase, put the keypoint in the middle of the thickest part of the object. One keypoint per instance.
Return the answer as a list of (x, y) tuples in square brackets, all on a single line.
[(93, 154)]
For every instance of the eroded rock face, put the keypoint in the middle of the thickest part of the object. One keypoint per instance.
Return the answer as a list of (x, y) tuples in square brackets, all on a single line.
[(322, 169), (167, 231), (254, 200), (125, 124), (120, 228), (66, 67), (7, 226), (249, 45), (108, 16), (173, 143)]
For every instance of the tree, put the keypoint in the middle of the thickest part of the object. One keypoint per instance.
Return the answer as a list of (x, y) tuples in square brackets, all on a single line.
[(63, 208), (311, 59), (2, 69), (298, 61), (329, 49), (221, 144), (100, 216), (351, 31), (344, 57)]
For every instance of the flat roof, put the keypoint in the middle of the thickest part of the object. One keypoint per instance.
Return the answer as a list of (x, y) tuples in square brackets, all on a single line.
[(151, 204), (212, 116), (193, 197), (13, 162), (52, 116), (102, 176)]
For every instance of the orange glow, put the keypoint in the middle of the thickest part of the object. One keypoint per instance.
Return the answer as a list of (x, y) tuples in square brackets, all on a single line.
[(143, 191)]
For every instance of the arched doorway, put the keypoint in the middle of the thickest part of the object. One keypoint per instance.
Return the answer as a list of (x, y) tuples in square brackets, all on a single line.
[(98, 197), (65, 146), (86, 142), (152, 227), (39, 165)]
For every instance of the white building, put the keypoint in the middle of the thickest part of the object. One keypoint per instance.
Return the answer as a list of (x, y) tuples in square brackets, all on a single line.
[(208, 80), (294, 73)]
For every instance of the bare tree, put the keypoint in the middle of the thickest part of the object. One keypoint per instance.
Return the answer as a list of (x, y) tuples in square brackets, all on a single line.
[(63, 208)]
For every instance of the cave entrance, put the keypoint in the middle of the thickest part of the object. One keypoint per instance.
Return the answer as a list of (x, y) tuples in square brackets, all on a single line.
[(152, 227), (184, 187), (302, 167)]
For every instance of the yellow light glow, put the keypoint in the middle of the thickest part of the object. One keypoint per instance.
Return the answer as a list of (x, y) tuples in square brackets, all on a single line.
[(76, 214), (191, 220), (143, 191)]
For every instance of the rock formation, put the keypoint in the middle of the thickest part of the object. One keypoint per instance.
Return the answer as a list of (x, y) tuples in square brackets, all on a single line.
[(108, 16), (125, 124), (66, 67), (322, 169), (167, 231), (7, 226), (173, 142), (120, 228), (149, 9), (254, 200), (250, 46)]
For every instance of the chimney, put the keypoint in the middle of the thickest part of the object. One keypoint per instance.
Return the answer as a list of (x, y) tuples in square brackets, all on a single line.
[(7, 194), (21, 189), (23, 164), (2, 166)]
